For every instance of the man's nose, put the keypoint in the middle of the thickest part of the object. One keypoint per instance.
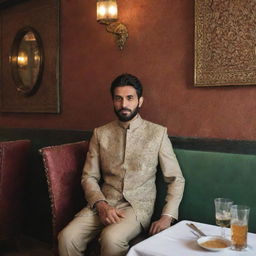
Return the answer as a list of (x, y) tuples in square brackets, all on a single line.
[(124, 103)]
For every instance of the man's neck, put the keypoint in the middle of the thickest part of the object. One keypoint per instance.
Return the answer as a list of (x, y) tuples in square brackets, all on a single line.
[(126, 125)]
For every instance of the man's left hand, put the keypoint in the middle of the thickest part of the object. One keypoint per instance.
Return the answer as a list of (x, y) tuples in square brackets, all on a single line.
[(161, 224)]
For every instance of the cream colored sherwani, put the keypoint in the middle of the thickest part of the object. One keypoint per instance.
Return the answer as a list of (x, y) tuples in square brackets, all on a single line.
[(126, 159)]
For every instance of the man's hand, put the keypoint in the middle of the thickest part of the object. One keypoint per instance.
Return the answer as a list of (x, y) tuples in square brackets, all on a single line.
[(161, 224), (108, 214)]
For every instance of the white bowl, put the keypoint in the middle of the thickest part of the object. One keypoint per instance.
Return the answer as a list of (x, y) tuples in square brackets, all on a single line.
[(204, 239)]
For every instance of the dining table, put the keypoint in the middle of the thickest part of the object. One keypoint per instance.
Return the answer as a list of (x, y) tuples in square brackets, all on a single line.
[(180, 240)]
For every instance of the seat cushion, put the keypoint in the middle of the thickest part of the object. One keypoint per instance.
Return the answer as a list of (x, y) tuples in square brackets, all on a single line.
[(13, 169), (63, 166)]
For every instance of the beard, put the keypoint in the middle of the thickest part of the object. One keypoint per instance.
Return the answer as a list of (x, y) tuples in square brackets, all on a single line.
[(127, 116)]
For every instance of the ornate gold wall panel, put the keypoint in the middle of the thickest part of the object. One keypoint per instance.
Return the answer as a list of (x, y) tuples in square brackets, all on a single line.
[(225, 42)]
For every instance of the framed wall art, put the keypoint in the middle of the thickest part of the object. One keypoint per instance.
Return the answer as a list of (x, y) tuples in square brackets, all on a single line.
[(225, 42), (30, 57)]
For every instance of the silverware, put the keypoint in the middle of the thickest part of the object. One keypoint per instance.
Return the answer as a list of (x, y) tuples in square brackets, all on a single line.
[(195, 234), (196, 229)]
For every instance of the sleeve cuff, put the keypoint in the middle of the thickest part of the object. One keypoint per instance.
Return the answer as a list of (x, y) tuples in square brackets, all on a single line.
[(173, 219), (93, 207)]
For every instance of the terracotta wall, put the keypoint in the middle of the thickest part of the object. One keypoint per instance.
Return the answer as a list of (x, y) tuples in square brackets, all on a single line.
[(159, 51)]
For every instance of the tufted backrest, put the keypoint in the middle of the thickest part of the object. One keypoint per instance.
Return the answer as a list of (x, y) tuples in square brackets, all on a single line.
[(13, 169), (63, 167), (209, 175)]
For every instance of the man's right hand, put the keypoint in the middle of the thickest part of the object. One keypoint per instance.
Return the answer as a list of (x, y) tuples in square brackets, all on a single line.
[(108, 214)]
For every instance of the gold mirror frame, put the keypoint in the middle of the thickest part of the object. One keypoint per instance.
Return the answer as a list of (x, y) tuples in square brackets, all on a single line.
[(43, 17), (16, 64)]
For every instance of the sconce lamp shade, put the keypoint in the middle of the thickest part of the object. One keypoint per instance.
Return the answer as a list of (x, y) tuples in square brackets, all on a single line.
[(107, 14), (107, 11)]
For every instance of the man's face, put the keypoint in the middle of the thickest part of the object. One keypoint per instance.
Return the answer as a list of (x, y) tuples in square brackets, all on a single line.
[(126, 103)]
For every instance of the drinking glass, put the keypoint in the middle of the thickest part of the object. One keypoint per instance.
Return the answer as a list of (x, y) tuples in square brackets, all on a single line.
[(222, 213), (239, 226)]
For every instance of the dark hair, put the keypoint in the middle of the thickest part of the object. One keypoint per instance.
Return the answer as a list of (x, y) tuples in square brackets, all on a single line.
[(127, 79)]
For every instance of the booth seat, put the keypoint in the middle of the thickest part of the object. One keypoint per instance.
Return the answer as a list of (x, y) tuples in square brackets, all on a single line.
[(63, 168), (38, 214), (212, 168), (210, 175), (13, 173)]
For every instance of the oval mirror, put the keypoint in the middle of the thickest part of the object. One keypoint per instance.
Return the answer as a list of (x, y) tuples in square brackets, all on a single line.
[(27, 60)]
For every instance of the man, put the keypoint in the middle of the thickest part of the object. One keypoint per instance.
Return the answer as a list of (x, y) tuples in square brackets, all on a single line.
[(119, 178)]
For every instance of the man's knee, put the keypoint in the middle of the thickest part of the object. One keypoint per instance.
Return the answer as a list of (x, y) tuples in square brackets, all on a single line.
[(65, 237), (68, 238), (110, 237), (112, 243)]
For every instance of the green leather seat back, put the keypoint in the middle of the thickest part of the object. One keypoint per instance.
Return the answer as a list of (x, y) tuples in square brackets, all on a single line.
[(209, 175)]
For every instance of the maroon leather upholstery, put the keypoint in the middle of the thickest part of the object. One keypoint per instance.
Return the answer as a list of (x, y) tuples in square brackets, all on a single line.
[(13, 169), (63, 166)]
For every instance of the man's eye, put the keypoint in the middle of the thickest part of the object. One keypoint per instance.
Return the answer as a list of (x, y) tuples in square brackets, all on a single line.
[(118, 98), (130, 98)]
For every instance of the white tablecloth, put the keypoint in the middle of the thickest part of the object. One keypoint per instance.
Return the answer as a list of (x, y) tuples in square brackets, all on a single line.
[(178, 240)]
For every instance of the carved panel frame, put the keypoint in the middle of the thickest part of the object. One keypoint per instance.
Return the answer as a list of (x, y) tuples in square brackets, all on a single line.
[(225, 42)]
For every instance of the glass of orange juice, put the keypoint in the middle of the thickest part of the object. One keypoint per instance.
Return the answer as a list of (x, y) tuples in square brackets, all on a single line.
[(239, 226)]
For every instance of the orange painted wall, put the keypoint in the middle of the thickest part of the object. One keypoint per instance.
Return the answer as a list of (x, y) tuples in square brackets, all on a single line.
[(159, 51)]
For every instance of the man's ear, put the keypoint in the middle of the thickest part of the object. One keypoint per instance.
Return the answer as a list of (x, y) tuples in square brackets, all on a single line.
[(141, 99)]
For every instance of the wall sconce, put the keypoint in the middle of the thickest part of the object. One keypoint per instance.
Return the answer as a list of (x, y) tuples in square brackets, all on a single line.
[(107, 14)]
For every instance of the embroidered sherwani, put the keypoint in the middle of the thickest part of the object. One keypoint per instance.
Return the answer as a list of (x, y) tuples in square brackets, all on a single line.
[(125, 160)]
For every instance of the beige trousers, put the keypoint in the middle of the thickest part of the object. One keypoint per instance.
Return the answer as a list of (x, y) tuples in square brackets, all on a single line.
[(114, 239)]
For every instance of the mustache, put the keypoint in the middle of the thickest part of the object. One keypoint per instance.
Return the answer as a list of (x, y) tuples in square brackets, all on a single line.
[(127, 109)]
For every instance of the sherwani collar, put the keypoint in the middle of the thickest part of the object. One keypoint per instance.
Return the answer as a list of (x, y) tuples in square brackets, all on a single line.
[(133, 124)]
